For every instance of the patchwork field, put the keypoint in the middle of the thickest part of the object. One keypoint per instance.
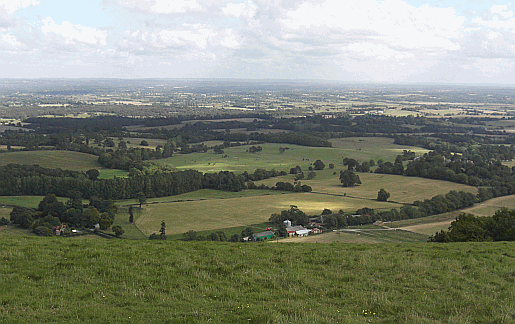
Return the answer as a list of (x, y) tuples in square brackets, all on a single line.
[(52, 159), (402, 189), (238, 160), (213, 214)]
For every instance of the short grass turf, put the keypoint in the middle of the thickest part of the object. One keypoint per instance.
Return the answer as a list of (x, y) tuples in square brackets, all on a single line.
[(52, 159), (59, 280), (212, 214)]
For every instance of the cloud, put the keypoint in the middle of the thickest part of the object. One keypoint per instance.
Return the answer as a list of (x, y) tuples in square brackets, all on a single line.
[(238, 10), (162, 6), (502, 10), (189, 38), (73, 34), (10, 40), (394, 23), (11, 6)]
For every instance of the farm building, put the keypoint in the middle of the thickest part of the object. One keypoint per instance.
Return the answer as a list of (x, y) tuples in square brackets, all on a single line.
[(297, 230), (301, 233), (263, 236), (316, 231)]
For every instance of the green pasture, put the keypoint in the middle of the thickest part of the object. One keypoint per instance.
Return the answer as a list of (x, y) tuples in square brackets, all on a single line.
[(24, 201), (215, 214), (366, 148), (136, 141), (238, 160), (402, 189), (86, 280), (112, 173), (52, 159), (203, 194), (489, 207)]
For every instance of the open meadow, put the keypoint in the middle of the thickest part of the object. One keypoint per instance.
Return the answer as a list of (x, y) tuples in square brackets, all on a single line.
[(52, 159), (211, 214), (401, 188), (118, 281), (236, 159)]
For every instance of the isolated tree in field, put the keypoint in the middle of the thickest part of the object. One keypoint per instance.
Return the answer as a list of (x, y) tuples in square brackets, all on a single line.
[(331, 165), (142, 199), (118, 230), (162, 231), (92, 174), (383, 195), (319, 165), (349, 179), (131, 214)]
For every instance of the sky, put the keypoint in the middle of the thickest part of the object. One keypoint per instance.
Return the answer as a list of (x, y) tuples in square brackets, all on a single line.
[(383, 41)]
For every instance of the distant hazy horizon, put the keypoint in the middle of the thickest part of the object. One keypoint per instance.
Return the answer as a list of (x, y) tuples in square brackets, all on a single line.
[(357, 41)]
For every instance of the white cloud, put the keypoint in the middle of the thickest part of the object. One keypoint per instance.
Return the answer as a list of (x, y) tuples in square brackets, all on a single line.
[(10, 40), (378, 51), (247, 9), (230, 40), (190, 38), (11, 6), (163, 6), (393, 22), (502, 10), (75, 33)]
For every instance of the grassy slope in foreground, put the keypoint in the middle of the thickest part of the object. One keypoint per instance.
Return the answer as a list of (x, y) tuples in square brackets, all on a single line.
[(97, 281)]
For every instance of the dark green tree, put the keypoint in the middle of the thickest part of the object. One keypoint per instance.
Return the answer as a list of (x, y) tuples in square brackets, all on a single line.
[(131, 214), (118, 230), (319, 165), (383, 195), (142, 199), (162, 231), (349, 179), (93, 174)]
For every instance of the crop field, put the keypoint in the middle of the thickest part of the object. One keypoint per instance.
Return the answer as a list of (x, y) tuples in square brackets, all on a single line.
[(238, 160), (52, 159), (213, 214), (402, 189), (116, 281)]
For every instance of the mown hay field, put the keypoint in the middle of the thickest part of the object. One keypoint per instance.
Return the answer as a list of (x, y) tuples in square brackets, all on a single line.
[(52, 159), (402, 189), (85, 280), (202, 215)]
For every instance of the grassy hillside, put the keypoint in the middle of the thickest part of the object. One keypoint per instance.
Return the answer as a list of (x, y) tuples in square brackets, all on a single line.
[(52, 159), (96, 281)]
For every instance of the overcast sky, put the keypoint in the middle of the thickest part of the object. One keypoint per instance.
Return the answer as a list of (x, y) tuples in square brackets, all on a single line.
[(468, 42)]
